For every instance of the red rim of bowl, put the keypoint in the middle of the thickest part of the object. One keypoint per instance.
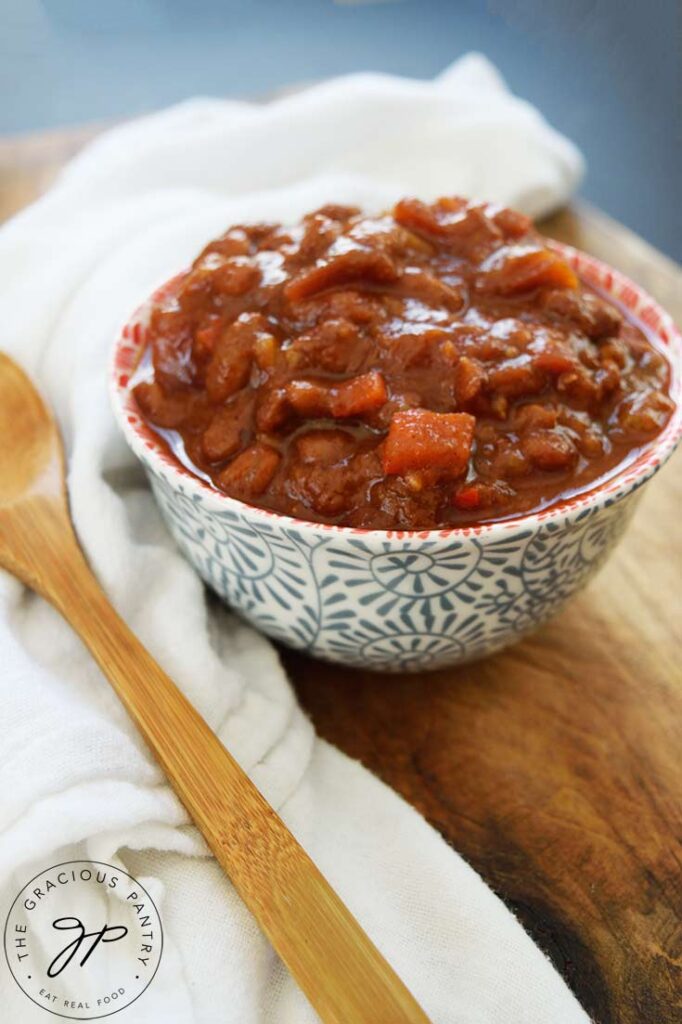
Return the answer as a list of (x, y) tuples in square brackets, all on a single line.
[(147, 445)]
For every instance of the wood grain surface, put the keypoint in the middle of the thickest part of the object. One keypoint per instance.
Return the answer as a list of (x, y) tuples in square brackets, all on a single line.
[(554, 768)]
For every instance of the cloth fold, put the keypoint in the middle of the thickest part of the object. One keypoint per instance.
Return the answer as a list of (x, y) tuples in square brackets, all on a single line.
[(75, 778)]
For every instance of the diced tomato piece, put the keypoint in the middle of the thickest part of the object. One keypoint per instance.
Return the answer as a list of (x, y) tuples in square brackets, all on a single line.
[(421, 439), (357, 265), (358, 396)]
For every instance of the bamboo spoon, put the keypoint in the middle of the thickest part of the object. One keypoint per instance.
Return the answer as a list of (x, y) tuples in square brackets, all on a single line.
[(342, 973)]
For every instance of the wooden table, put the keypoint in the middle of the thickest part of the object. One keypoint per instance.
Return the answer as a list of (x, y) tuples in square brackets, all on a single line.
[(554, 768)]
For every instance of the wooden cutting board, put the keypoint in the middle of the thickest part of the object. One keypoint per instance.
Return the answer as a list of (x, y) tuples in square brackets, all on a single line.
[(554, 768)]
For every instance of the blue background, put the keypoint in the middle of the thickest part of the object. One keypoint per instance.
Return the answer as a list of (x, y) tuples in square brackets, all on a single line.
[(605, 72)]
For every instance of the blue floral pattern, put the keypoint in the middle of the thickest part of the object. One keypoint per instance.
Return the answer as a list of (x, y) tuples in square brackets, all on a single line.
[(383, 602)]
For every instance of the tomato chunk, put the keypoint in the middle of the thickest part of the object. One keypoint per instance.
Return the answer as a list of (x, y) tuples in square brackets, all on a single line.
[(421, 439)]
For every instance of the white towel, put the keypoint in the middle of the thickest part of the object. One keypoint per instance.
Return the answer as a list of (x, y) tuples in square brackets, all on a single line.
[(75, 778)]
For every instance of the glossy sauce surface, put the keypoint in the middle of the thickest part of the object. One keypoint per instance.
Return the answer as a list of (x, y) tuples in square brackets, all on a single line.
[(433, 366)]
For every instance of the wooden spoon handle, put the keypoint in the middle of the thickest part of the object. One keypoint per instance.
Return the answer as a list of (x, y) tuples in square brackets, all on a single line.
[(340, 970)]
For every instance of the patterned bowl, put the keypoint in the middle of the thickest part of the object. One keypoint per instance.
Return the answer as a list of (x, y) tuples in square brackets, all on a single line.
[(397, 600)]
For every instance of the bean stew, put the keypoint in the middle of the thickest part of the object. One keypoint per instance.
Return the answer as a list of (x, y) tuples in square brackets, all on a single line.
[(434, 366)]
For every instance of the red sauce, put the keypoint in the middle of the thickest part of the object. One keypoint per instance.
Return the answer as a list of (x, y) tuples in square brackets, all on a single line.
[(433, 366)]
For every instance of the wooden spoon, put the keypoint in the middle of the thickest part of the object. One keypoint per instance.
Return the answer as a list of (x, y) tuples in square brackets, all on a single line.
[(342, 973)]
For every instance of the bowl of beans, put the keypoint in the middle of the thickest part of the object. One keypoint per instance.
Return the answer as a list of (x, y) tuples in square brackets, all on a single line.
[(398, 441)]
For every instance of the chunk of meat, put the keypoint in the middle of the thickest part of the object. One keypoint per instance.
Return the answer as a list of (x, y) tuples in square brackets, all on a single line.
[(422, 439)]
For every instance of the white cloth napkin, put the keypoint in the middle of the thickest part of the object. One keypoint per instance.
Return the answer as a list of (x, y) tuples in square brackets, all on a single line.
[(75, 778)]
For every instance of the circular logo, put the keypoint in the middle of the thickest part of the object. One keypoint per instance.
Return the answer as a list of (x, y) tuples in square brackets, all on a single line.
[(83, 939)]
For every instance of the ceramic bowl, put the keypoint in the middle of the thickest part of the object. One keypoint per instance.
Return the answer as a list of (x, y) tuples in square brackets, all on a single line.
[(396, 601)]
